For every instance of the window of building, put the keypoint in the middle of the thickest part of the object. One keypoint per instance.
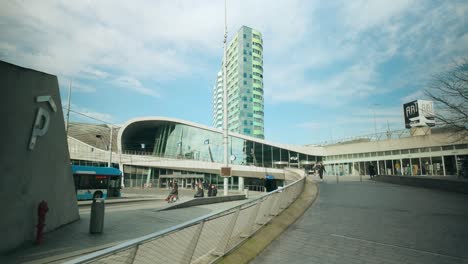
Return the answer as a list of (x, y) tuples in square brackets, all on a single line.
[(245, 59), (246, 131), (245, 82), (245, 75), (250, 76), (245, 106), (245, 122), (435, 149), (394, 152), (424, 149), (414, 150), (248, 45), (404, 151), (461, 146), (450, 147), (245, 35), (245, 52)]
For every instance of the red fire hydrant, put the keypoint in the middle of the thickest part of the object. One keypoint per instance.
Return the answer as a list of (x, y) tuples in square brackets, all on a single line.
[(41, 213)]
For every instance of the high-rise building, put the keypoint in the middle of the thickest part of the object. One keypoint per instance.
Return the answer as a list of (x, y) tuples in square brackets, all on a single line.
[(244, 85)]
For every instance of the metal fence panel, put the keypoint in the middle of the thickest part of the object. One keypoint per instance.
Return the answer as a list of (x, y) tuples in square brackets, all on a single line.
[(204, 239)]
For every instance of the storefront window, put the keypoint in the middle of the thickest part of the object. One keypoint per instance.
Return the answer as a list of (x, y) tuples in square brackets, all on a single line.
[(436, 167), (425, 166)]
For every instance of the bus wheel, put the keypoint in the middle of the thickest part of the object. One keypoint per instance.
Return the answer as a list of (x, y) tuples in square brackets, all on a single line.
[(97, 195)]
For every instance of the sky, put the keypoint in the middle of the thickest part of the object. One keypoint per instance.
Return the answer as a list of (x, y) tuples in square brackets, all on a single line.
[(332, 69)]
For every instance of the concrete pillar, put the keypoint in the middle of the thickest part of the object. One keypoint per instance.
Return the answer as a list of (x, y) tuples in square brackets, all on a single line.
[(401, 167), (378, 167), (411, 167), (420, 166), (148, 177), (241, 184), (121, 168), (443, 165)]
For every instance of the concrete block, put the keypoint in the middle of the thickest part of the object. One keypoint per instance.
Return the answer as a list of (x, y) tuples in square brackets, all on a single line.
[(34, 158)]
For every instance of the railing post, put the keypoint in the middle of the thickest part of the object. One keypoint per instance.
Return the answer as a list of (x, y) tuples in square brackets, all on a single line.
[(188, 254), (263, 205), (284, 198), (274, 205), (253, 216), (222, 245), (132, 256)]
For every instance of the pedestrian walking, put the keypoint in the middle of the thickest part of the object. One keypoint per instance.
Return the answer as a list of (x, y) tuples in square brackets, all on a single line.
[(371, 170), (320, 168)]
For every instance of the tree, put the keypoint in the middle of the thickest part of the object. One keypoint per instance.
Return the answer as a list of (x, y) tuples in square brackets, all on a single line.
[(449, 91)]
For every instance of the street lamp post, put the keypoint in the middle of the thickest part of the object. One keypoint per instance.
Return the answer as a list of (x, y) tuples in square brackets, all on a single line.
[(68, 107), (110, 147), (225, 104), (375, 120)]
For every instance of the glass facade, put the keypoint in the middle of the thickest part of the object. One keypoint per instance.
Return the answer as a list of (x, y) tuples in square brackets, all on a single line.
[(180, 141), (432, 161)]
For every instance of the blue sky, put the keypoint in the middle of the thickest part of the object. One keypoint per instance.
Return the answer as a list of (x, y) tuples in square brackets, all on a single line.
[(328, 65)]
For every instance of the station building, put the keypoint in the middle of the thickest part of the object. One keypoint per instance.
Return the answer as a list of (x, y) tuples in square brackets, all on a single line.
[(152, 151), (434, 152)]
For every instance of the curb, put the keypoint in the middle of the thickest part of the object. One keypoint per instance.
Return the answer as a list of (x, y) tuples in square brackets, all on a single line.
[(254, 245), (88, 203)]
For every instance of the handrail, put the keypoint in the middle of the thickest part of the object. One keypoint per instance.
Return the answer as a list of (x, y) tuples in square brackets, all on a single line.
[(269, 204)]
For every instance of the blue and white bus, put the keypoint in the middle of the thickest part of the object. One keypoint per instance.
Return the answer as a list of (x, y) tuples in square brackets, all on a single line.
[(96, 182)]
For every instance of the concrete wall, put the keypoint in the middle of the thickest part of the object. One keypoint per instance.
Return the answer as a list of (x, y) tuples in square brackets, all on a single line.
[(29, 176), (206, 200)]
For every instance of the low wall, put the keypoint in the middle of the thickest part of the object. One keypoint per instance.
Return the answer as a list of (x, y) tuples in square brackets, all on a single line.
[(205, 200), (459, 186)]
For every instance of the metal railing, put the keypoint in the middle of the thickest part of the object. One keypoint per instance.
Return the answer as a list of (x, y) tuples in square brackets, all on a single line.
[(204, 239)]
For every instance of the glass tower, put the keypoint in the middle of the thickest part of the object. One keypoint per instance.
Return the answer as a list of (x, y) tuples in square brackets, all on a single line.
[(244, 85)]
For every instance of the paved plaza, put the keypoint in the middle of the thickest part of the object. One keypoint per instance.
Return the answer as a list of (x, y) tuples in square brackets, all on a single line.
[(372, 222), (123, 221)]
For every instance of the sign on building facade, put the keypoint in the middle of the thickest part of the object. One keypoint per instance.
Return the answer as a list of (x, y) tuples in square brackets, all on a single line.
[(419, 113)]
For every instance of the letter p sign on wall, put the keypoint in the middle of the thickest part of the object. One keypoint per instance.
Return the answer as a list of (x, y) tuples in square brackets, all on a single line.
[(42, 120)]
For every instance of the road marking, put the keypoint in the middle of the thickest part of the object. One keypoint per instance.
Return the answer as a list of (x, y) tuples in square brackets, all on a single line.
[(396, 246)]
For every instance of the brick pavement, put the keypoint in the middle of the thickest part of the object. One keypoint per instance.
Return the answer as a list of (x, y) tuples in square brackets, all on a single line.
[(371, 222)]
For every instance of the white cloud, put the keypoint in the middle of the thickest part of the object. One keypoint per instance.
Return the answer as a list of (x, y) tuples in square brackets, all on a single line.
[(94, 73), (417, 95), (83, 114), (76, 86), (134, 84), (165, 40)]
